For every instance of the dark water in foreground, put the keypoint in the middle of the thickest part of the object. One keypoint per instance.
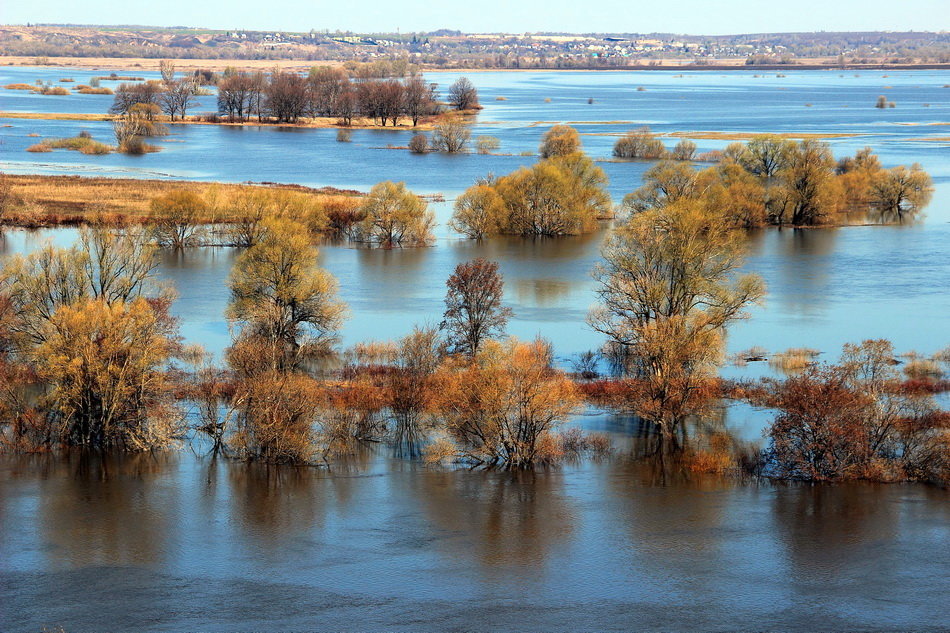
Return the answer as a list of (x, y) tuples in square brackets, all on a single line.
[(181, 543)]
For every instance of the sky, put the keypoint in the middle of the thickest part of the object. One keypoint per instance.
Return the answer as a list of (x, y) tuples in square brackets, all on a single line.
[(697, 17)]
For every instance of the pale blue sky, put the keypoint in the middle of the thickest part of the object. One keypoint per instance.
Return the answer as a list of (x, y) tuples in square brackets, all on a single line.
[(678, 16)]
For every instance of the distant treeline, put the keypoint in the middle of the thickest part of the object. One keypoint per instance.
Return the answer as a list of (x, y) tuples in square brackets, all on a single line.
[(286, 97)]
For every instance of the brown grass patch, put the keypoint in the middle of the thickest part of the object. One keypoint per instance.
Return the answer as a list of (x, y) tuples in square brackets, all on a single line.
[(52, 116), (63, 200), (89, 90), (793, 360)]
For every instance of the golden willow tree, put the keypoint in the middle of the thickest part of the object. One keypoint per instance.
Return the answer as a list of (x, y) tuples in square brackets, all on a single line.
[(668, 291), (395, 216), (772, 180), (94, 330), (286, 307), (503, 406), (564, 195), (287, 311)]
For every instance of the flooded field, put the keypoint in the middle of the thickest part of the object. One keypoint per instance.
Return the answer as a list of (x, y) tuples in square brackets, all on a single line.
[(184, 542)]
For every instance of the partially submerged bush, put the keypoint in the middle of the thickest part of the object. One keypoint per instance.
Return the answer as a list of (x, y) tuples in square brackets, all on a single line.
[(450, 136), (794, 359), (557, 196), (395, 216), (640, 143), (419, 143), (560, 140), (504, 407), (855, 420), (487, 144)]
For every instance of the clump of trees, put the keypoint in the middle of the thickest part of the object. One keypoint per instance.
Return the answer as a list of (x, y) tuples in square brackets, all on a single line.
[(561, 195), (772, 180), (86, 336), (288, 97), (644, 144), (326, 92), (856, 420)]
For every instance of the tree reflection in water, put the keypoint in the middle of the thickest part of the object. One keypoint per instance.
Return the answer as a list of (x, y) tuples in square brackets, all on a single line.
[(107, 509), (501, 519)]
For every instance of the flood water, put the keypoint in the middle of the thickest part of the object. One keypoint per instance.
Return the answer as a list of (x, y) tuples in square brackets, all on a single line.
[(182, 542)]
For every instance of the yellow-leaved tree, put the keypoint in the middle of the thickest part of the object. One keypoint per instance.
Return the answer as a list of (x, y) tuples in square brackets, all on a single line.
[(668, 290), (285, 305)]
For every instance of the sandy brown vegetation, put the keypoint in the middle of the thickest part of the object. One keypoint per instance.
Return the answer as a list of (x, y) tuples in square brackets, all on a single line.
[(57, 200)]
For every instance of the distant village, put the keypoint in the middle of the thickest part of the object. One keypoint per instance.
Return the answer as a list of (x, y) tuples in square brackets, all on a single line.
[(447, 48)]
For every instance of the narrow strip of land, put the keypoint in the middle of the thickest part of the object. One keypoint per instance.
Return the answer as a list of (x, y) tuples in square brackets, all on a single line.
[(41, 200), (404, 123)]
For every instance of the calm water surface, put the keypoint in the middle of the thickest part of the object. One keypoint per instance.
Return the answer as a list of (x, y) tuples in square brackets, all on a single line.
[(181, 542)]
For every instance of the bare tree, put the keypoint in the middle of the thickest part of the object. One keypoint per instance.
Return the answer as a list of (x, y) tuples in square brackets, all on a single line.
[(473, 310), (235, 95), (419, 99), (177, 98), (463, 95), (286, 96), (167, 68)]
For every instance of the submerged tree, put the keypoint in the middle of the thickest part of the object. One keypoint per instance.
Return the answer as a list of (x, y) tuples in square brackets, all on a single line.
[(503, 408), (668, 291), (103, 362), (410, 384), (473, 309), (395, 216), (287, 307), (664, 183), (450, 136), (560, 140), (901, 191), (478, 212), (93, 327), (640, 143), (564, 195), (857, 419)]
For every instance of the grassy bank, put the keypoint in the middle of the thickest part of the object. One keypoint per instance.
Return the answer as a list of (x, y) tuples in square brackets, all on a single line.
[(38, 200)]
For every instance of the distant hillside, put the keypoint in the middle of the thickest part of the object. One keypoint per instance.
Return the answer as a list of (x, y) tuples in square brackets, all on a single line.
[(447, 49)]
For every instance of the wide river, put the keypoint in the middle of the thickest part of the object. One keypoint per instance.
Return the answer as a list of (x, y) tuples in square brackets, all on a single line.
[(182, 542)]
